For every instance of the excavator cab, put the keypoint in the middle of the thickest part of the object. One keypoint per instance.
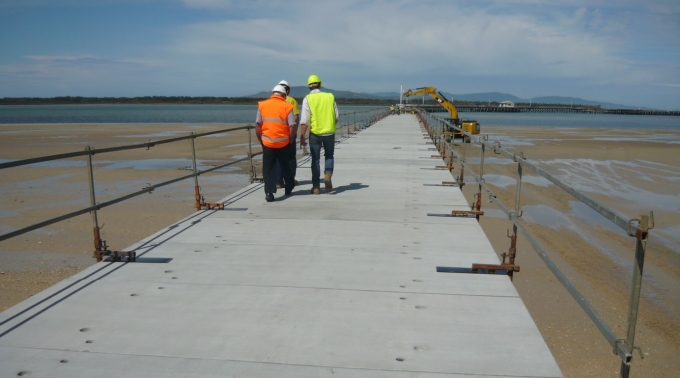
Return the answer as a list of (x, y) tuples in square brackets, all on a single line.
[(470, 126)]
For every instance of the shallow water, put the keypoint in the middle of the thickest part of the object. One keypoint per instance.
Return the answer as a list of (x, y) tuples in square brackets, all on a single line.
[(145, 113)]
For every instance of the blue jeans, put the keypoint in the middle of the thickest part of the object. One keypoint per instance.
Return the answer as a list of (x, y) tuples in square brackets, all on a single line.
[(315, 144)]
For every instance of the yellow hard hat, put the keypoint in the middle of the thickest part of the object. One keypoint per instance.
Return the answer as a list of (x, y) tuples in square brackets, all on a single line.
[(313, 79)]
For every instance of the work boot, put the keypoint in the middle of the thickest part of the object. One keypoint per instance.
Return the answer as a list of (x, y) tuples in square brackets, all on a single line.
[(316, 190), (327, 181), (269, 197), (279, 185)]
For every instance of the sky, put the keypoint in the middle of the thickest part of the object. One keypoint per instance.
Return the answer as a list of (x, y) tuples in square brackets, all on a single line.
[(625, 51)]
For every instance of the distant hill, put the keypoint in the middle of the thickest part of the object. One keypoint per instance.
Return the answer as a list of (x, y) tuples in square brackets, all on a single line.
[(301, 91)]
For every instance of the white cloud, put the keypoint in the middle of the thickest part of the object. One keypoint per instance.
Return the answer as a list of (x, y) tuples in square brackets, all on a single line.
[(70, 74), (399, 39), (595, 49)]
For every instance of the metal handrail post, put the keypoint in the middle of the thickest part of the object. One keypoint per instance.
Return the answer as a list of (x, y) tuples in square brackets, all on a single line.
[(478, 205), (636, 287), (93, 202), (463, 162), (197, 189), (512, 251)]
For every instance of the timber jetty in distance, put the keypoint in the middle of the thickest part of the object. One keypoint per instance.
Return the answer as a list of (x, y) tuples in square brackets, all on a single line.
[(550, 109)]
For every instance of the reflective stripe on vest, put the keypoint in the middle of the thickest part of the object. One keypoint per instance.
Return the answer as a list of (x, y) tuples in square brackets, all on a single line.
[(322, 113), (275, 129)]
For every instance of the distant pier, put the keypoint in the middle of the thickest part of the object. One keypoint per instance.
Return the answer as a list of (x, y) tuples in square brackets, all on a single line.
[(550, 109)]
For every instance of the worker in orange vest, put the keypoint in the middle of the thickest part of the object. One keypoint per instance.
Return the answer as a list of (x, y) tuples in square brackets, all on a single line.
[(275, 129), (293, 161)]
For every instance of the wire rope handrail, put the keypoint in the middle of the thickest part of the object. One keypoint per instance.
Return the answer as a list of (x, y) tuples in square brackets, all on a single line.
[(359, 120), (439, 130)]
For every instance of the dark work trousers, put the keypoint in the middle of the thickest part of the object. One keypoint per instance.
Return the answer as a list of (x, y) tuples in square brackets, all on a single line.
[(315, 144), (293, 164), (270, 158)]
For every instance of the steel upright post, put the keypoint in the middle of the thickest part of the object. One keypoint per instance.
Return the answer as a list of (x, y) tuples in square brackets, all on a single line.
[(512, 251), (636, 286), (478, 204), (197, 189), (462, 167), (93, 202)]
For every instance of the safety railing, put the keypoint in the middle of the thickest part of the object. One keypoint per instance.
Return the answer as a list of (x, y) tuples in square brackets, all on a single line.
[(440, 130), (351, 122), (100, 247)]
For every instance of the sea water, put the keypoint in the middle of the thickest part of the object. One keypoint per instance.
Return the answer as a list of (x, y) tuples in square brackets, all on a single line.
[(137, 113), (246, 114)]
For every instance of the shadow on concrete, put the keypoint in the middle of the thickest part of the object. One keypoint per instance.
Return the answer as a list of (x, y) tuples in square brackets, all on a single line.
[(344, 188), (304, 182)]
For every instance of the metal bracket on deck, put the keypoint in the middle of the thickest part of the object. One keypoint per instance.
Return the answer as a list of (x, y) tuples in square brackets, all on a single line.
[(201, 204), (492, 268), (466, 213), (459, 214), (116, 256), (219, 206), (445, 183), (505, 269)]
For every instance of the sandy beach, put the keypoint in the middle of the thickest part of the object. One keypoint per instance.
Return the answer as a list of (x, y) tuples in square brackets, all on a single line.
[(633, 173)]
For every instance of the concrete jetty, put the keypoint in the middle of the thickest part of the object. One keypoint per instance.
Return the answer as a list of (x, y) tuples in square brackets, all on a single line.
[(334, 285)]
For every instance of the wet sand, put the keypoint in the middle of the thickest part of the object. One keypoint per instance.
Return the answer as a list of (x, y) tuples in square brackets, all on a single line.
[(34, 261), (631, 172)]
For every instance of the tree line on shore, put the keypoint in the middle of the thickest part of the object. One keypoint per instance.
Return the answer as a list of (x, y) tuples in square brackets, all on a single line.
[(210, 100), (163, 100)]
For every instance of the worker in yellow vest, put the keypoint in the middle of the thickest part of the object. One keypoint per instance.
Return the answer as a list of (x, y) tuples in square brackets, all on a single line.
[(319, 114), (293, 143), (275, 129)]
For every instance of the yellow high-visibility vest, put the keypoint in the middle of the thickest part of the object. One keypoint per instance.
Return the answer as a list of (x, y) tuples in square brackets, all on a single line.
[(322, 113)]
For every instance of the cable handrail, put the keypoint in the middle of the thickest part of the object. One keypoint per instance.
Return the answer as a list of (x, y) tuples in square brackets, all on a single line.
[(439, 127), (360, 120)]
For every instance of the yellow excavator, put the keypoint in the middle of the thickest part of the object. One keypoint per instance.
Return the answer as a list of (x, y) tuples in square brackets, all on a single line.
[(470, 126)]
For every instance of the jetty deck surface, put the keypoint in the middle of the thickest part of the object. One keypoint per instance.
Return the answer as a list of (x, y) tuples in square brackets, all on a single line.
[(336, 285)]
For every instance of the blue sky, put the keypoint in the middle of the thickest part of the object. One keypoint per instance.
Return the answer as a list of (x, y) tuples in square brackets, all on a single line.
[(624, 51)]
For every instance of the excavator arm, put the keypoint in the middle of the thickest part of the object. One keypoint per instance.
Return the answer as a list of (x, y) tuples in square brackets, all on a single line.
[(469, 126), (438, 96)]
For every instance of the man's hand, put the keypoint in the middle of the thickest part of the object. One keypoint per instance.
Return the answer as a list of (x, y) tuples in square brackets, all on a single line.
[(303, 142)]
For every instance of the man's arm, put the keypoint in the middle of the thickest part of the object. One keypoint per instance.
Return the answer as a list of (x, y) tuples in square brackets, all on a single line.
[(292, 125), (302, 134), (297, 122), (337, 113), (258, 125), (258, 131), (304, 119)]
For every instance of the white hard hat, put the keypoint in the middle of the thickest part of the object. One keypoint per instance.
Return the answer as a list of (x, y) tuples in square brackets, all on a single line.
[(283, 82), (279, 88)]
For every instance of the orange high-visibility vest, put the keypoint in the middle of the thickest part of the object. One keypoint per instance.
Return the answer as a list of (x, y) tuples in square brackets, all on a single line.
[(275, 129)]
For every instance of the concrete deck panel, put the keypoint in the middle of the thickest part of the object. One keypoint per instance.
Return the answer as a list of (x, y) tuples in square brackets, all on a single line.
[(341, 285)]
